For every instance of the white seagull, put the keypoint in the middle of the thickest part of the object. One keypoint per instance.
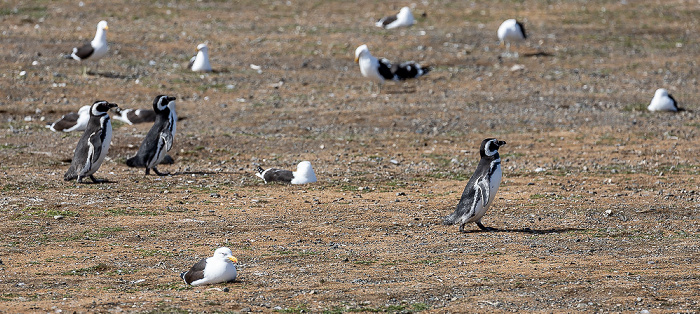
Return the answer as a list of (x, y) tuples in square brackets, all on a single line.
[(304, 174), (403, 18), (511, 31), (72, 121), (200, 61), (219, 268), (94, 50), (378, 70), (663, 101)]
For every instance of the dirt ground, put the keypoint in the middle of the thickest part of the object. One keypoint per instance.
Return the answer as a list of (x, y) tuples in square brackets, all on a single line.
[(597, 211)]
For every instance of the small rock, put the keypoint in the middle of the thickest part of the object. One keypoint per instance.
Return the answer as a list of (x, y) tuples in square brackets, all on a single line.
[(246, 310), (58, 217), (400, 194), (394, 161), (608, 212), (226, 289)]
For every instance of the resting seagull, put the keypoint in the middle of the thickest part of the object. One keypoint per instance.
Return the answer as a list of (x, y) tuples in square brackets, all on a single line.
[(663, 101), (219, 268), (200, 61), (381, 69), (72, 121), (304, 174), (403, 18), (135, 116), (94, 50), (511, 31)]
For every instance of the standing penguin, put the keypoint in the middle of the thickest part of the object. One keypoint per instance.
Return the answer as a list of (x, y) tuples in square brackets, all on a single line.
[(481, 189), (159, 139), (93, 145)]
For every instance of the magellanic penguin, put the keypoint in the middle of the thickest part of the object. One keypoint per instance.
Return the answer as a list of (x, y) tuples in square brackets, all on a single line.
[(219, 268), (481, 189), (93, 145), (159, 139), (304, 174), (511, 31), (403, 18), (663, 101)]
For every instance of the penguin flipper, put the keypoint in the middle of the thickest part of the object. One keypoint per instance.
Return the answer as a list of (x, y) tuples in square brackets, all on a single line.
[(96, 145)]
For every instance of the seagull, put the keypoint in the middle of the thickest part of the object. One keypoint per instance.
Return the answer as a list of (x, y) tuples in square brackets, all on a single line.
[(200, 61), (135, 116), (94, 50), (511, 31), (663, 101), (378, 70), (72, 121), (219, 268), (403, 18), (304, 174)]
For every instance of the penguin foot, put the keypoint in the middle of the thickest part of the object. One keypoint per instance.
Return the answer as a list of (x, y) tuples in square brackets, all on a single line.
[(162, 174), (95, 180), (482, 227)]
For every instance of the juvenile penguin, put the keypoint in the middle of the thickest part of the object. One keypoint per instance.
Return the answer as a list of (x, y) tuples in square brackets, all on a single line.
[(663, 101), (159, 139), (403, 18), (304, 174), (200, 61), (511, 31), (219, 268), (93, 145), (481, 189)]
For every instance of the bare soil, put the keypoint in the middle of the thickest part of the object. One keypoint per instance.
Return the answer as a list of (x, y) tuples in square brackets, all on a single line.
[(597, 211)]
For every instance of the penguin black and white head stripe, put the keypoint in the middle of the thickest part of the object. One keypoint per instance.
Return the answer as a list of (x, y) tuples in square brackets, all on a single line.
[(219, 268), (72, 121), (94, 50), (304, 174), (159, 139), (93, 145), (481, 189), (403, 18)]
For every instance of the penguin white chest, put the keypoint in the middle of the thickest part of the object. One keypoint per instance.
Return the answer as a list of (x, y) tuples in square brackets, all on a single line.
[(495, 182), (107, 129)]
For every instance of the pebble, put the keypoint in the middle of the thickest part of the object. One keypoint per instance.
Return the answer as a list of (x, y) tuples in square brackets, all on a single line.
[(58, 217)]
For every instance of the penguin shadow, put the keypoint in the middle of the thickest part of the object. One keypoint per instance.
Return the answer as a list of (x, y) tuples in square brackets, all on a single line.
[(526, 230), (400, 90), (538, 54), (112, 75)]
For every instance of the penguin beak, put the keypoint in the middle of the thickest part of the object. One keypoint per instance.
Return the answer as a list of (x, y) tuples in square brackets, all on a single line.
[(171, 98), (112, 105), (233, 259), (501, 143)]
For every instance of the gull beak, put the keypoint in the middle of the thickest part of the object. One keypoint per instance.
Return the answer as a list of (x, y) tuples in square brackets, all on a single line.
[(106, 27), (233, 259), (357, 60)]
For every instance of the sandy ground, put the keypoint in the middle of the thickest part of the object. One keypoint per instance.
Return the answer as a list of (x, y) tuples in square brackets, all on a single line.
[(597, 211)]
